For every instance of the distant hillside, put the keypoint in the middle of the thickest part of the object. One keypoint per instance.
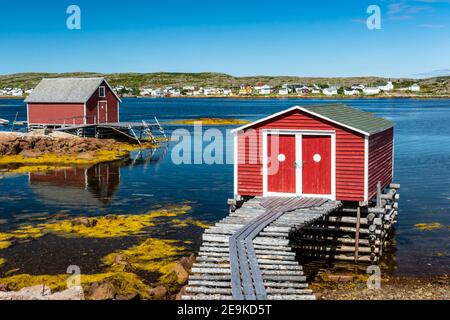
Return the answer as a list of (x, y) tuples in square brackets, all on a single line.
[(436, 85)]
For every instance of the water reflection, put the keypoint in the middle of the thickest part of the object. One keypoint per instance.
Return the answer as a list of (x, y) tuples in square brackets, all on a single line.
[(88, 186), (77, 186)]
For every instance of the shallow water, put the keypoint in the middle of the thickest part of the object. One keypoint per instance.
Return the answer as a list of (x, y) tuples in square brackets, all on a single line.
[(422, 167)]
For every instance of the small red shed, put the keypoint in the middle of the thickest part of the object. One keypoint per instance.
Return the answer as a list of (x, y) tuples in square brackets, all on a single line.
[(330, 151), (72, 101)]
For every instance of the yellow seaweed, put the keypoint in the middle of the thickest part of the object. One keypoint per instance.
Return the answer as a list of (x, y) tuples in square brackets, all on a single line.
[(189, 221), (2, 261), (114, 226), (429, 226), (211, 121), (4, 240), (153, 255)]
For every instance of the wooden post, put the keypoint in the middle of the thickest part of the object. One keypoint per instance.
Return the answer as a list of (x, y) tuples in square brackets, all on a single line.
[(379, 194), (358, 224)]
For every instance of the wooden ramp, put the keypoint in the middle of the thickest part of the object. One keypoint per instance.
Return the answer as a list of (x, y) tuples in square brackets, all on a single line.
[(247, 255)]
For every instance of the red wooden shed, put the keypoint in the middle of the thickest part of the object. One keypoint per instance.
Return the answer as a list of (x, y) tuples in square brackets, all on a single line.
[(72, 101), (330, 151)]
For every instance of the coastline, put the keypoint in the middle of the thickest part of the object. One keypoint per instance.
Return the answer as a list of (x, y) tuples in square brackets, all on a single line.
[(391, 288), (281, 97)]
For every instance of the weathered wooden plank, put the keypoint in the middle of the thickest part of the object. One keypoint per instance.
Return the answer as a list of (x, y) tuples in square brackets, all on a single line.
[(286, 284), (207, 297), (210, 270), (291, 297), (285, 291), (201, 283), (206, 290)]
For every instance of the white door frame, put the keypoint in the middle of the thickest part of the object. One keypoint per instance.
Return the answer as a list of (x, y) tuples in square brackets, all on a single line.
[(298, 151), (98, 110)]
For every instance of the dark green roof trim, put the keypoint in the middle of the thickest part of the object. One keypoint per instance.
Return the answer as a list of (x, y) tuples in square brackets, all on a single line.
[(351, 117)]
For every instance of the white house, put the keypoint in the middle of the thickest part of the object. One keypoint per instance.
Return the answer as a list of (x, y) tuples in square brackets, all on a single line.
[(370, 91), (227, 92), (387, 87), (352, 92), (283, 91), (332, 91), (358, 87), (265, 90), (209, 91), (415, 88), (17, 92)]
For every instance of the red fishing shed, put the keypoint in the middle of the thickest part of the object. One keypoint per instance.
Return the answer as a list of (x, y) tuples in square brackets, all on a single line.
[(72, 101), (329, 151)]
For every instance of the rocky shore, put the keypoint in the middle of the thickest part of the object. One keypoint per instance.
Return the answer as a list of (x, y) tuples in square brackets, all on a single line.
[(59, 149), (107, 289), (391, 288)]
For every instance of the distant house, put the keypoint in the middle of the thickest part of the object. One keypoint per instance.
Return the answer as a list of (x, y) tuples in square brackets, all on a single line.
[(283, 91), (415, 88), (264, 90), (62, 101), (369, 91), (351, 92), (332, 91), (227, 92), (387, 87), (358, 87), (209, 91)]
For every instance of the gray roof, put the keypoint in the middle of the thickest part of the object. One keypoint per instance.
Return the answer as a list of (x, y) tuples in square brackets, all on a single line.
[(65, 90), (349, 117)]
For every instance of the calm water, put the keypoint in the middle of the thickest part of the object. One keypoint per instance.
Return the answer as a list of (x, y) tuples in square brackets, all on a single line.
[(422, 167)]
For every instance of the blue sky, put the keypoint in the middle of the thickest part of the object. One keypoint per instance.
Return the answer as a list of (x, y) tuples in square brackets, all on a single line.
[(302, 38)]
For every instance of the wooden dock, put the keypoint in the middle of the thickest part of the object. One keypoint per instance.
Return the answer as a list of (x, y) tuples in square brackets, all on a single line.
[(247, 255), (130, 130)]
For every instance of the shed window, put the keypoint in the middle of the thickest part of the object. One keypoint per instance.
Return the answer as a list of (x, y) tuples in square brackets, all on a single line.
[(101, 92)]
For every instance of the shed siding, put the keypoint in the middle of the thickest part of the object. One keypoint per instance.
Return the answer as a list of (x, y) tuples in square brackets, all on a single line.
[(349, 155), (55, 113), (380, 160), (92, 105)]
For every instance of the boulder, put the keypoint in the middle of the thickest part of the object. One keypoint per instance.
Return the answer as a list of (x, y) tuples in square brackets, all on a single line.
[(187, 262), (121, 259), (181, 293), (73, 293), (158, 292), (101, 291), (131, 296), (181, 273), (84, 221)]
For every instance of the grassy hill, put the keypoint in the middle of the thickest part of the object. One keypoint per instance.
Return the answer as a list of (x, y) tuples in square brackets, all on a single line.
[(437, 85)]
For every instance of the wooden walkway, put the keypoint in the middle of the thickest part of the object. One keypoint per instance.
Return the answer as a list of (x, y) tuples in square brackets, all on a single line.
[(247, 255)]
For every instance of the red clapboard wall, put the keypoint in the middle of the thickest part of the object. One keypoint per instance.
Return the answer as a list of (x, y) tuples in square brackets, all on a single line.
[(381, 153)]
